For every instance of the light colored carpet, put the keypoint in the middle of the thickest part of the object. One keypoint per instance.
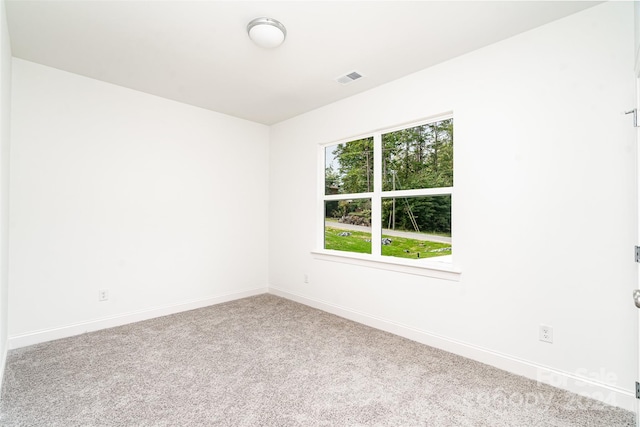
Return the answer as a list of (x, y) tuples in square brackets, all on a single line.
[(267, 361)]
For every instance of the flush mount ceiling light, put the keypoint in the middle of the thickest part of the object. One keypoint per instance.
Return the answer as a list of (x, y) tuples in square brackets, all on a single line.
[(266, 32)]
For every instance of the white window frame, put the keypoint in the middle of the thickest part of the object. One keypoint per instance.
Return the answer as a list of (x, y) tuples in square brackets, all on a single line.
[(430, 267)]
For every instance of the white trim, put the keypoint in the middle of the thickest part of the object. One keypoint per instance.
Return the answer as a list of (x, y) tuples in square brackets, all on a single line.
[(414, 123), (354, 196), (376, 201), (435, 191), (358, 137), (44, 335), (429, 267), (573, 382), (385, 130), (320, 201)]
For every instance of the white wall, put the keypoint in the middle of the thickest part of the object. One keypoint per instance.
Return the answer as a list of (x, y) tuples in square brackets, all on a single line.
[(544, 206), (161, 203), (5, 134), (637, 34)]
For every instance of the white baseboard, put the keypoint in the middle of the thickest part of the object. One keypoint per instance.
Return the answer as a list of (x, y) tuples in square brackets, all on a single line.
[(37, 337), (581, 385)]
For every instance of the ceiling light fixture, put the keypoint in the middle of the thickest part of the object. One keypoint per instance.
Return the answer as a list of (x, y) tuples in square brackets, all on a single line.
[(266, 32)]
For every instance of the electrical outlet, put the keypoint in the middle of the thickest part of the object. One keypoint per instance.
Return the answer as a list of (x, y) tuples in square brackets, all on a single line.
[(546, 333), (306, 278), (103, 295)]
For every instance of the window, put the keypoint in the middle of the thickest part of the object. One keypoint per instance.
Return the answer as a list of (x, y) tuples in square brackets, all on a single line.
[(388, 195)]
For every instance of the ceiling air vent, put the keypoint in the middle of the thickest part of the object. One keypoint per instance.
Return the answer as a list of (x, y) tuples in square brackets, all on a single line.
[(348, 78)]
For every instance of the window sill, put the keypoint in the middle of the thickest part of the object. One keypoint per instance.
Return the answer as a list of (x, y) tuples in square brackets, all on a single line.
[(426, 267)]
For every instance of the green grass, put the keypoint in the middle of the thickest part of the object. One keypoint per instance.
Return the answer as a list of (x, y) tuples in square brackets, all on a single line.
[(356, 242), (399, 247)]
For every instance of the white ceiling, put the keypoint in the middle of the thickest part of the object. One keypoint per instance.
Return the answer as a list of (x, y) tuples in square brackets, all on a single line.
[(198, 52)]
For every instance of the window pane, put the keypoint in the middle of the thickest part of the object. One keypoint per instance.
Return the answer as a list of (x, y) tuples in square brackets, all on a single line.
[(348, 167), (416, 227), (419, 157), (348, 225)]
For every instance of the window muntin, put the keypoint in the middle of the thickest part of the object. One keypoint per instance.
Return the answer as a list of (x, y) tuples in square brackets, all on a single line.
[(413, 170)]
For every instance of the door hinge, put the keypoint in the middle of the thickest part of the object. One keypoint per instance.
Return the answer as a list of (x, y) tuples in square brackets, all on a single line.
[(637, 390), (637, 253), (635, 116)]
